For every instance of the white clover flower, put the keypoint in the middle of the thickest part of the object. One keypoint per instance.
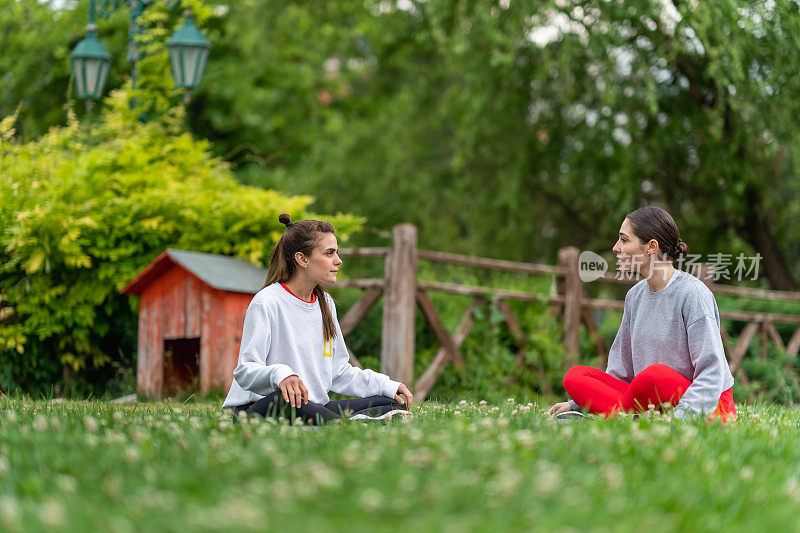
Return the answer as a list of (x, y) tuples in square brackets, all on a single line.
[(612, 474), (40, 423), (66, 484), (510, 400), (118, 416), (132, 454), (746, 473), (482, 403), (548, 480), (456, 414), (486, 422), (351, 457), (661, 431), (9, 510), (52, 513), (371, 499), (114, 437), (669, 455), (792, 489), (506, 482), (462, 402), (325, 475), (526, 438), (90, 423), (689, 431), (418, 458)]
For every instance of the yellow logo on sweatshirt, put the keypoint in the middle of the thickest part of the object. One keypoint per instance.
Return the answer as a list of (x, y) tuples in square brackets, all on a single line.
[(327, 348)]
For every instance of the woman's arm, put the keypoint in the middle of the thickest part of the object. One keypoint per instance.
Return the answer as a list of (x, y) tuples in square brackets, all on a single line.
[(354, 381), (252, 373), (351, 380), (620, 357), (708, 358)]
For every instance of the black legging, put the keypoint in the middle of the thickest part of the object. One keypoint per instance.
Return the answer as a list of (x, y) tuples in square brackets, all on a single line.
[(313, 413)]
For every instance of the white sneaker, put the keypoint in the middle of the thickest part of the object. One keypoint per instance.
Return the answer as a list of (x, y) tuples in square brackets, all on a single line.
[(569, 416), (400, 413)]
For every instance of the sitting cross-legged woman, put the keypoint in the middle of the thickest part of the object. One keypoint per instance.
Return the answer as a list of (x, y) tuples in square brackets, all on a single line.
[(293, 353), (668, 349)]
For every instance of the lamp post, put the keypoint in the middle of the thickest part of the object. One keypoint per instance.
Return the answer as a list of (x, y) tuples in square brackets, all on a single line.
[(188, 50)]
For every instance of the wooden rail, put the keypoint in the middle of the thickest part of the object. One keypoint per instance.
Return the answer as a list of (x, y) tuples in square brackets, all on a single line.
[(403, 293)]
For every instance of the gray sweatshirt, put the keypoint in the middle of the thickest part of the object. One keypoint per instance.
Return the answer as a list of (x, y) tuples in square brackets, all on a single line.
[(677, 326)]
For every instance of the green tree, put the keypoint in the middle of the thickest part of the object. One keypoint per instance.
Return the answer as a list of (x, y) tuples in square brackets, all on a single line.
[(504, 129), (513, 129)]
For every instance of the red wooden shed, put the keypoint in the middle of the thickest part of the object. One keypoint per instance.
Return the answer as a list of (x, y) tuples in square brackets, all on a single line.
[(191, 312)]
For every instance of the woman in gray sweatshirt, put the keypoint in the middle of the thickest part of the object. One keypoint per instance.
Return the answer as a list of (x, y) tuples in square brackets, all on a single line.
[(668, 348)]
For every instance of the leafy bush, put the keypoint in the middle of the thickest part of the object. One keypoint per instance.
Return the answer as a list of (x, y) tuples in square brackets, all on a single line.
[(83, 210)]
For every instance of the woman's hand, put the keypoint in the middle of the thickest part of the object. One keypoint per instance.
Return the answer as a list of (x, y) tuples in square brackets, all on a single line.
[(560, 407), (294, 392), (404, 396)]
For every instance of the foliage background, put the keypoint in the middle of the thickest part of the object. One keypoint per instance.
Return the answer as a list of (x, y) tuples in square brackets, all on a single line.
[(502, 129)]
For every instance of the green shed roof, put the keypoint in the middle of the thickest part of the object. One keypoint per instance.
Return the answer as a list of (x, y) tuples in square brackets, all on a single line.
[(221, 272)]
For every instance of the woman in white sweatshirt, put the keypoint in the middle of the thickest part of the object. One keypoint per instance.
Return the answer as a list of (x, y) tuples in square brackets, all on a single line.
[(293, 352), (668, 348)]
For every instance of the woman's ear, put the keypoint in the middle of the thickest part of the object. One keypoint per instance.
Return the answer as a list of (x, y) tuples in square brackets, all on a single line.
[(301, 259), (651, 247)]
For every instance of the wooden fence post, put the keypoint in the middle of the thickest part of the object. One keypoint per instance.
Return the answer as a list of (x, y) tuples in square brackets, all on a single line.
[(573, 290), (399, 305)]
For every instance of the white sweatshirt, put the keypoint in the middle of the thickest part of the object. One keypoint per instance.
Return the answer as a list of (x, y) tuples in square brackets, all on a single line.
[(282, 336)]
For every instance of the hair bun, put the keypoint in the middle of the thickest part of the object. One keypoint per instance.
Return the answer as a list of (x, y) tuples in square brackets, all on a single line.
[(681, 249), (285, 219)]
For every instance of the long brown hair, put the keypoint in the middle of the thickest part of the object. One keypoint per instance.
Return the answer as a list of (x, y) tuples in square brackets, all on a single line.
[(653, 222), (301, 237)]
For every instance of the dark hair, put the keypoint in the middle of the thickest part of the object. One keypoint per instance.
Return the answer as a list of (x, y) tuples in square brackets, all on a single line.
[(653, 222), (300, 237)]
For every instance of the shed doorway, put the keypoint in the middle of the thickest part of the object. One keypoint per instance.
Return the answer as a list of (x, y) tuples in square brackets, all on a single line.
[(181, 366)]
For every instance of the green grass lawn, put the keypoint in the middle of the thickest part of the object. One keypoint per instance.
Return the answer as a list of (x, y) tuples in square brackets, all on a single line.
[(459, 467)]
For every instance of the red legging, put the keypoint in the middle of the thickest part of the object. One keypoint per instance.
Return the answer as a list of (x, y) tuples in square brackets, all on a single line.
[(600, 393)]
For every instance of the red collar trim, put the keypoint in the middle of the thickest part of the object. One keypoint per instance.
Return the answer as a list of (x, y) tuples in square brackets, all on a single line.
[(313, 296)]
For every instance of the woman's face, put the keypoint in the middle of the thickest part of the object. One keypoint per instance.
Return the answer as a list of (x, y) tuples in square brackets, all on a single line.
[(632, 255), (323, 264)]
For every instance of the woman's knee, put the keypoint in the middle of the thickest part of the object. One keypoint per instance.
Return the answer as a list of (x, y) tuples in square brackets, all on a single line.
[(657, 370), (575, 375), (658, 374)]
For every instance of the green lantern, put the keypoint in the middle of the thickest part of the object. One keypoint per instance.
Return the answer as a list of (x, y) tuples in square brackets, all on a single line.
[(188, 52), (90, 64)]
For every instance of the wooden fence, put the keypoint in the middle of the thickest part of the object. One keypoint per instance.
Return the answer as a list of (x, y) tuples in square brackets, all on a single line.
[(403, 293)]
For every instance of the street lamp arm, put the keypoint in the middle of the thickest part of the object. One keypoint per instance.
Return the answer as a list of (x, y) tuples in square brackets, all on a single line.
[(104, 9)]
